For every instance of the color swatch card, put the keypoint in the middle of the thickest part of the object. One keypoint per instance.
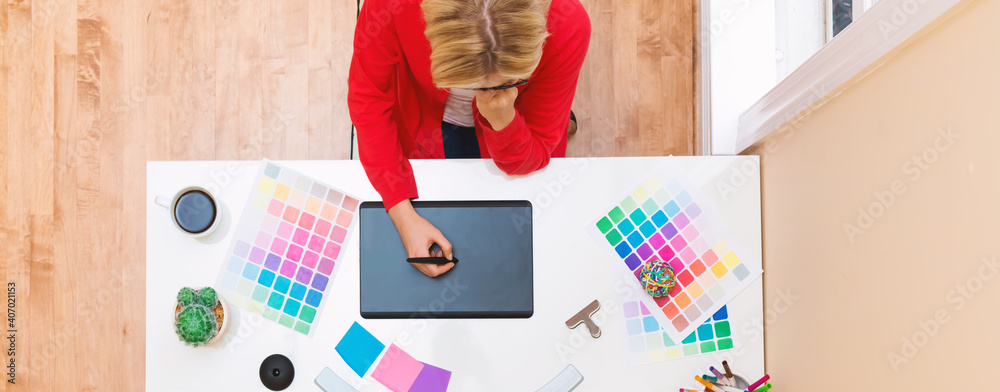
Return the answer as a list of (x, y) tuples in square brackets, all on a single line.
[(287, 247), (648, 343), (665, 216)]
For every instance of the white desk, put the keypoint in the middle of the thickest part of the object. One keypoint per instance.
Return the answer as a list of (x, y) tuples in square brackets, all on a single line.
[(484, 355)]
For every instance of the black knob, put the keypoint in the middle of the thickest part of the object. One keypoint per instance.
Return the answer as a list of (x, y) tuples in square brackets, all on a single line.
[(276, 372)]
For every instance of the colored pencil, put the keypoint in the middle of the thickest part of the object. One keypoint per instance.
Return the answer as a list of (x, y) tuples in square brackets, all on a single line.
[(729, 373), (763, 388), (757, 384), (708, 385), (716, 372), (711, 379)]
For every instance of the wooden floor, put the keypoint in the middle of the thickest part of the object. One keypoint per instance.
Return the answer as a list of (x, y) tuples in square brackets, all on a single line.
[(91, 90)]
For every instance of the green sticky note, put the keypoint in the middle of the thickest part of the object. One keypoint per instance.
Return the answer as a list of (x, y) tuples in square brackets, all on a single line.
[(653, 342), (303, 184), (725, 344), (650, 207), (260, 294), (667, 342), (628, 205), (307, 314), (616, 215), (722, 329), (614, 237), (286, 320), (276, 300), (302, 327), (245, 287), (604, 225), (707, 347), (638, 217)]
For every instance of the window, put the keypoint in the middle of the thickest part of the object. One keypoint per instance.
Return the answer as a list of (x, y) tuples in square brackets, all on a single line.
[(765, 61)]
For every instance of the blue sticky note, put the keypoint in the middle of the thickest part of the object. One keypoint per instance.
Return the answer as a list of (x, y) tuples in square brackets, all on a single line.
[(359, 349)]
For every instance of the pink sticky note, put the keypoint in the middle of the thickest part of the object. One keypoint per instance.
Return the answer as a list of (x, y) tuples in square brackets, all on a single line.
[(397, 370)]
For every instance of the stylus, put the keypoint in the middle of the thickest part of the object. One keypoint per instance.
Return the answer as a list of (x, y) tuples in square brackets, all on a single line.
[(431, 260)]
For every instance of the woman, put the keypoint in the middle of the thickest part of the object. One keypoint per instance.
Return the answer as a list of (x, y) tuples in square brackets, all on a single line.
[(460, 79)]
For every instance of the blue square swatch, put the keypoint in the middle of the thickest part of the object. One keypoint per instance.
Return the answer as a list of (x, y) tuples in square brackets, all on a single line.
[(625, 227), (635, 239), (298, 291), (266, 278), (721, 314), (647, 229), (313, 298), (281, 284), (271, 170), (659, 218), (671, 208), (623, 249), (649, 324), (359, 349)]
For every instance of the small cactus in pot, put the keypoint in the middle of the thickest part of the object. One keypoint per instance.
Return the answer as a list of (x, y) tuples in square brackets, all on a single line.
[(199, 316)]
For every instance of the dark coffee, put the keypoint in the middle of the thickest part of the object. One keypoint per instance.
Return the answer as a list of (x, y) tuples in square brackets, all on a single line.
[(195, 211)]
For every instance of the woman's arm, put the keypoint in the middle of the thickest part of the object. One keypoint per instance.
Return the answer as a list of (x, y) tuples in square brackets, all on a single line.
[(541, 117), (370, 98)]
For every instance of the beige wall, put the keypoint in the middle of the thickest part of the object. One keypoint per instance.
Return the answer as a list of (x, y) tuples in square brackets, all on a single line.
[(859, 296)]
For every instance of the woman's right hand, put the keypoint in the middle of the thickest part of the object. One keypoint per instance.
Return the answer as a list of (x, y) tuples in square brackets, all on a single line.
[(418, 235)]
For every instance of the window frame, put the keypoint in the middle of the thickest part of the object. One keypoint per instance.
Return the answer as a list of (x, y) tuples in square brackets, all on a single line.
[(733, 125)]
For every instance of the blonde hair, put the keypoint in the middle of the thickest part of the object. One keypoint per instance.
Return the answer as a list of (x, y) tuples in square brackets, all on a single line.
[(473, 39)]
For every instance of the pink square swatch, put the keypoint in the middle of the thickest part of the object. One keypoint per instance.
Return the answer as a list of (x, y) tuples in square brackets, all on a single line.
[(326, 266), (338, 233), (288, 268), (316, 244), (397, 370), (322, 227), (332, 250), (284, 230), (300, 237), (310, 259)]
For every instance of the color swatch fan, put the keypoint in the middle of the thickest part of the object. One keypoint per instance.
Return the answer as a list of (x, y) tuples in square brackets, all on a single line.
[(665, 216), (648, 343), (287, 247)]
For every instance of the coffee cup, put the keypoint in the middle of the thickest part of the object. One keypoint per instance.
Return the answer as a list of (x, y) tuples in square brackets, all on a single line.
[(193, 210)]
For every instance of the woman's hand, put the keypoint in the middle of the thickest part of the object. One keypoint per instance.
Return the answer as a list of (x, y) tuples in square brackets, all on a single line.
[(497, 106), (418, 235)]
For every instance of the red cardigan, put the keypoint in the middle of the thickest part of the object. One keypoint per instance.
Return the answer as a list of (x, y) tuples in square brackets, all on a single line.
[(397, 110)]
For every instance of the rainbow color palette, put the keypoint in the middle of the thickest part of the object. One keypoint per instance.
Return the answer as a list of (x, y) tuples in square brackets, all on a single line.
[(665, 216), (287, 247), (648, 343)]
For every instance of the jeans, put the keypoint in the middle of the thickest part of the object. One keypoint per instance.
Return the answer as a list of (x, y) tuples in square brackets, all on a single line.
[(459, 142)]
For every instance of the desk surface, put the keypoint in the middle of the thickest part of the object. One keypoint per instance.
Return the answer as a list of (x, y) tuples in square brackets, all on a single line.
[(483, 354)]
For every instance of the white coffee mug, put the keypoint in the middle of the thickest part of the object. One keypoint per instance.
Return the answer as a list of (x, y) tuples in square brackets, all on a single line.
[(198, 213)]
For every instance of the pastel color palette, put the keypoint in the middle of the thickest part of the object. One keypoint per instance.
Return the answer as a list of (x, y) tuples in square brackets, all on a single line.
[(674, 222), (647, 342), (281, 263)]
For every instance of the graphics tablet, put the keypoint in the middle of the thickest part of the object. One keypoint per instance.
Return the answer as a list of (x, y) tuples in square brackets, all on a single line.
[(493, 278)]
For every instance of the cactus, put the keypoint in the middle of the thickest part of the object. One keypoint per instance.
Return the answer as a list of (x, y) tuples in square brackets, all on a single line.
[(196, 323)]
